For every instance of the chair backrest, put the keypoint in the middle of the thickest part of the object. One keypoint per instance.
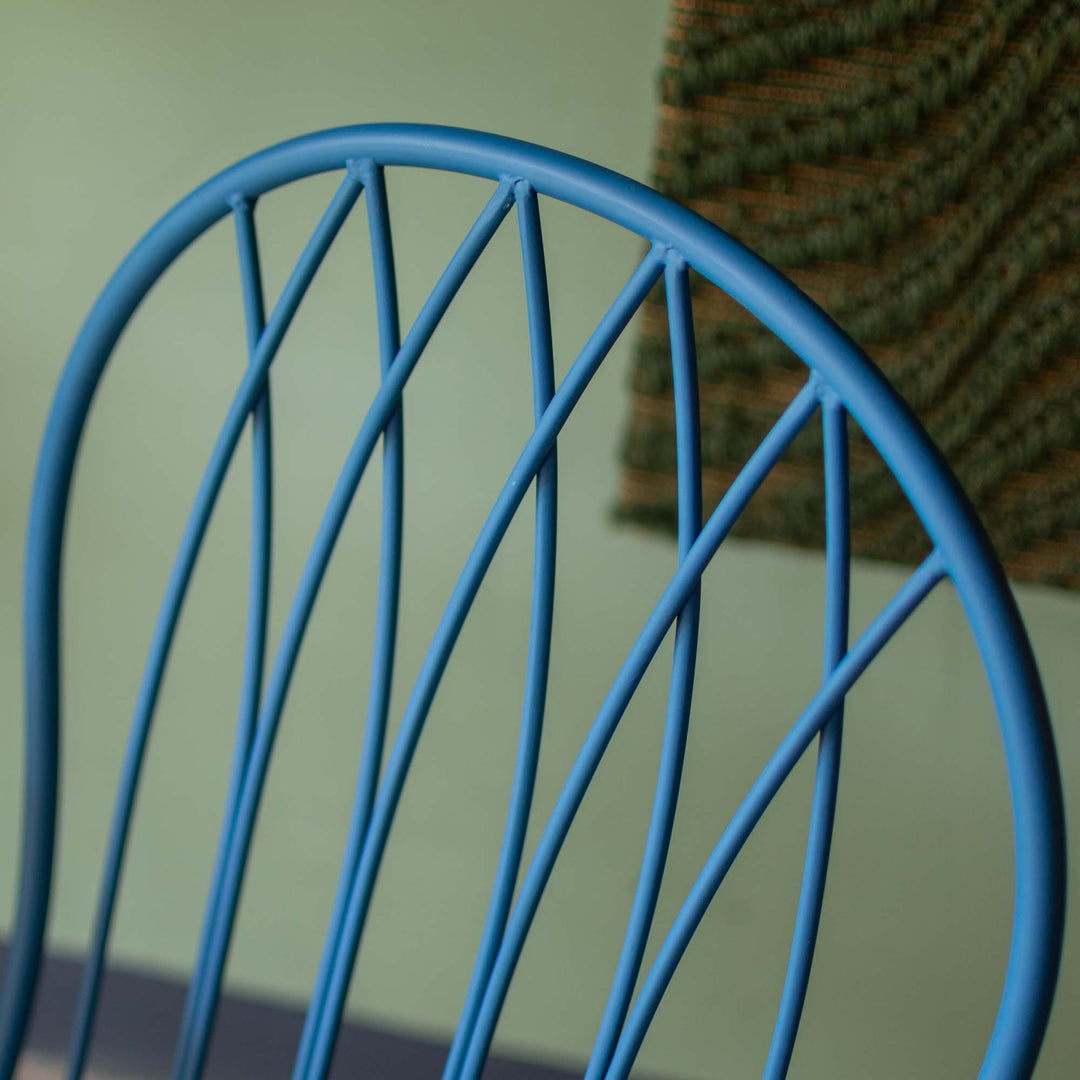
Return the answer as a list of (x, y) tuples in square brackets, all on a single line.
[(841, 383)]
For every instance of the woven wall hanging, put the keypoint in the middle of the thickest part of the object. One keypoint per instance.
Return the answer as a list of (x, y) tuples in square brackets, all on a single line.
[(915, 167)]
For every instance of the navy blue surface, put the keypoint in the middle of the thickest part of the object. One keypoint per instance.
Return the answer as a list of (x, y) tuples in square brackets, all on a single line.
[(140, 1015)]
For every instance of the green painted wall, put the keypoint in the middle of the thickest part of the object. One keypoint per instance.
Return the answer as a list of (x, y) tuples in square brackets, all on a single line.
[(110, 113)]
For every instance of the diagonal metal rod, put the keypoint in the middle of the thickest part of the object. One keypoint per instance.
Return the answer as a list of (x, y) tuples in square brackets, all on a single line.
[(521, 477), (383, 407), (821, 708), (259, 588), (682, 585), (382, 257), (249, 392)]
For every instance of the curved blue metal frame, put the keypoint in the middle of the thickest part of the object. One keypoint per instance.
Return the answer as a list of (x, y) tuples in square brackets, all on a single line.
[(843, 382)]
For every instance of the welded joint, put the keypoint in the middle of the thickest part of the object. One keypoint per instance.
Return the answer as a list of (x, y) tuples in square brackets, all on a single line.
[(935, 562), (362, 170), (828, 397), (240, 203), (522, 188), (671, 257)]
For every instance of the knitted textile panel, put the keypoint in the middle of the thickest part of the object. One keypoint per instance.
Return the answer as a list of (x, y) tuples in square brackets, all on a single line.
[(914, 166)]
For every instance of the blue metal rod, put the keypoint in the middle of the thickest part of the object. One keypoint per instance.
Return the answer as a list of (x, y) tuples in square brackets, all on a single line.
[(688, 457), (259, 588), (543, 601), (821, 708), (521, 477), (40, 777), (382, 256), (383, 407), (823, 809), (251, 388), (679, 590), (262, 503)]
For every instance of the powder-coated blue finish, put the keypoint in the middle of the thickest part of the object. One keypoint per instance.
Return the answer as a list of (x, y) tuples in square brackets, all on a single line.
[(823, 810), (688, 465), (259, 602), (543, 606), (813, 719), (681, 589), (532, 458), (389, 581), (842, 382)]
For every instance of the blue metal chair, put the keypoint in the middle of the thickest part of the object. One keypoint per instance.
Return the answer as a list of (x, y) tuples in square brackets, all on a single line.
[(841, 382)]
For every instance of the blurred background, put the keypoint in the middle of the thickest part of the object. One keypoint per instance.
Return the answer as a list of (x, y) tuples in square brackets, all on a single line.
[(111, 113)]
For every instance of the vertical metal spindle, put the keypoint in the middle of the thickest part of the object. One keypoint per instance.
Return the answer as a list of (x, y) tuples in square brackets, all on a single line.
[(823, 809), (536, 676), (688, 459), (259, 586)]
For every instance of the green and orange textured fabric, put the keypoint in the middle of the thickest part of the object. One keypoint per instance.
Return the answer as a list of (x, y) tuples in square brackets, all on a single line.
[(914, 166)]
